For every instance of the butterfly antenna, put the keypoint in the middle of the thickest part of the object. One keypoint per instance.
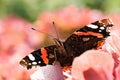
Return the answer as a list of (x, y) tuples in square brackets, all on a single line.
[(56, 30), (41, 32)]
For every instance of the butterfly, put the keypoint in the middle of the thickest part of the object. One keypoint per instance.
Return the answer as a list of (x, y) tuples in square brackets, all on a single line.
[(91, 36)]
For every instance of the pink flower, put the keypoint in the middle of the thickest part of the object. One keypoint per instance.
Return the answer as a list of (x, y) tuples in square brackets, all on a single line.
[(93, 65), (49, 72)]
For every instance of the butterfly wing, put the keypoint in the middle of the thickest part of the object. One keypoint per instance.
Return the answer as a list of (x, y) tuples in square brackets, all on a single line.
[(40, 57), (91, 36)]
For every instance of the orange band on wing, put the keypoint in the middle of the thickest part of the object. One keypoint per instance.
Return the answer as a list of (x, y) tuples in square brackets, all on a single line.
[(89, 33), (100, 44), (44, 56)]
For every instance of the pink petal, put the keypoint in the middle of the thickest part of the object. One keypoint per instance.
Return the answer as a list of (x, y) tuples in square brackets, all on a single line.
[(117, 73), (94, 63), (49, 72)]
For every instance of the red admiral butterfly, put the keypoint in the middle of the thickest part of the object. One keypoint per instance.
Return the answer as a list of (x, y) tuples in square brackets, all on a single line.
[(91, 36)]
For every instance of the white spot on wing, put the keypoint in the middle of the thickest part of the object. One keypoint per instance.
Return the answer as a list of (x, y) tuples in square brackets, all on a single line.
[(102, 28), (29, 63), (39, 62), (34, 63), (92, 26), (31, 57), (100, 31)]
